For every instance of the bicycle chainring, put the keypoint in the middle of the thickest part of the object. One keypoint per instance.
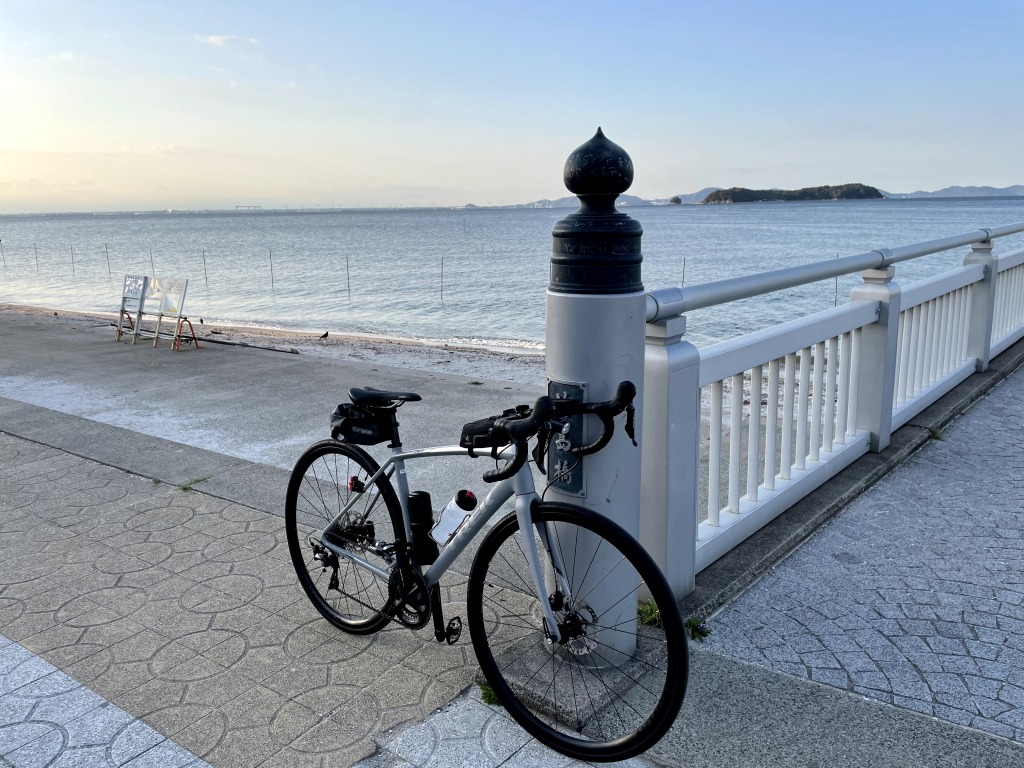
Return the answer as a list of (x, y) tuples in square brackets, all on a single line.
[(410, 599)]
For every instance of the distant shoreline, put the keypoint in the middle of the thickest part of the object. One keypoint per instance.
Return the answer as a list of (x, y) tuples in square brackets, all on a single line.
[(315, 211)]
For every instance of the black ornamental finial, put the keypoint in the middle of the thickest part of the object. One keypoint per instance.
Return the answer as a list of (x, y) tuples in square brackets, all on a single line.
[(596, 250)]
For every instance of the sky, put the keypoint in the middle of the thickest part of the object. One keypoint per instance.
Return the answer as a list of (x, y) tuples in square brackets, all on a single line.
[(192, 105)]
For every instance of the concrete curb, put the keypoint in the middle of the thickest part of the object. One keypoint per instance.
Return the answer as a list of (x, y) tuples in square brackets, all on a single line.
[(733, 574)]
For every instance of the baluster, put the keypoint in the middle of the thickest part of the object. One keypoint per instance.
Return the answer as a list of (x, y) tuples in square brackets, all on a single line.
[(754, 431), (715, 455), (830, 394), (904, 356), (851, 429), (921, 322), (802, 408), (771, 416), (817, 400), (843, 400), (789, 392), (735, 440)]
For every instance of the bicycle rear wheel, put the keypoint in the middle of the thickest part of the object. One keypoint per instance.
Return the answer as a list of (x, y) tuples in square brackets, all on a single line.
[(613, 685), (326, 477)]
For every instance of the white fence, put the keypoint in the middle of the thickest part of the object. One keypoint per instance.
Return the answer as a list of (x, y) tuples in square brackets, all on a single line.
[(737, 432)]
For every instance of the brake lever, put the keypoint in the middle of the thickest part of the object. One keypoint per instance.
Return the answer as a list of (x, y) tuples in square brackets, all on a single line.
[(630, 425), (540, 449)]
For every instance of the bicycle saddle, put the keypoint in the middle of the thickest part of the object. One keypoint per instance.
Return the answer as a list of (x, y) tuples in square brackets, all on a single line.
[(371, 396)]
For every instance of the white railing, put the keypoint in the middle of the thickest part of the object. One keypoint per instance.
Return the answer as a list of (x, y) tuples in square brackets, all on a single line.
[(736, 433), (1008, 314)]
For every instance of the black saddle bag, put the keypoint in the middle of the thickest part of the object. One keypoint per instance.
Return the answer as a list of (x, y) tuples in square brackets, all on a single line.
[(362, 426)]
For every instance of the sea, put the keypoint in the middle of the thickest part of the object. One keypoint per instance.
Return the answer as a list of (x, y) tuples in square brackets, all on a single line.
[(475, 276)]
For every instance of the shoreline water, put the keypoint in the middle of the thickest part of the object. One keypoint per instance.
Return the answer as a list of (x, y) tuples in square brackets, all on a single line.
[(486, 361)]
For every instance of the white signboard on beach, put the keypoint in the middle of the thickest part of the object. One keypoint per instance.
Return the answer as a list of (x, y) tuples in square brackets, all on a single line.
[(132, 293), (133, 298), (170, 291)]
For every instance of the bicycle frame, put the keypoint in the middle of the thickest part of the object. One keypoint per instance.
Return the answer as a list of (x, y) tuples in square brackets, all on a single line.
[(521, 485)]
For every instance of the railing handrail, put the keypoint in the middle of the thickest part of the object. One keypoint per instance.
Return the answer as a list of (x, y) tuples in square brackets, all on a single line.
[(663, 303)]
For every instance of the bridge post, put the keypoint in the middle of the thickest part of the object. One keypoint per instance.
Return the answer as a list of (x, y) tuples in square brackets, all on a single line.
[(876, 380), (669, 492), (596, 311), (983, 300)]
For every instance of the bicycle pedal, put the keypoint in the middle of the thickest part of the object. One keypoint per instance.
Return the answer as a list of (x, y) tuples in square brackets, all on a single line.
[(454, 631)]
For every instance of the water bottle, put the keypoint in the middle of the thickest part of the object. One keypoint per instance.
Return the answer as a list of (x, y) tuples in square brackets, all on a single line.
[(453, 516)]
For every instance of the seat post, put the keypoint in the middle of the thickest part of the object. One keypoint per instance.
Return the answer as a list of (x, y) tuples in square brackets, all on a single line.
[(396, 442)]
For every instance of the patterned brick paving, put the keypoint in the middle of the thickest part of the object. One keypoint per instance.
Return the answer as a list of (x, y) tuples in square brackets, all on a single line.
[(183, 610), (914, 595)]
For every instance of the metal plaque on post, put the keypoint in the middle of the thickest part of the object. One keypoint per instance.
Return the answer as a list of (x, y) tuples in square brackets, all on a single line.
[(565, 470)]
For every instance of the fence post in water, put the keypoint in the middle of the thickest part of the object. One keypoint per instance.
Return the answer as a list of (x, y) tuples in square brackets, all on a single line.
[(876, 374), (107, 252), (206, 275), (596, 310), (271, 268), (983, 300)]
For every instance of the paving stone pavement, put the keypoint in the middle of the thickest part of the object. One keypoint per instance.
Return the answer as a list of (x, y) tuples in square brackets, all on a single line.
[(47, 718), (183, 610), (914, 594)]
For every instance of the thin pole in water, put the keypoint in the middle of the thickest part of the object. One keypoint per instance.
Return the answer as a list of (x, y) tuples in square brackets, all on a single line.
[(2, 252), (835, 299), (107, 251), (72, 260), (151, 264), (682, 281), (205, 273), (348, 277), (271, 269), (36, 251), (442, 278)]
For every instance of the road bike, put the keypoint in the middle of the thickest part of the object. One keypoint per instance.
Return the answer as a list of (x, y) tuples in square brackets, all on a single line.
[(574, 626)]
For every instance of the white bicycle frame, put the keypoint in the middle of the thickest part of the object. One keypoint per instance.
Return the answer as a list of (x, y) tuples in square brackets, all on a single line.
[(520, 484)]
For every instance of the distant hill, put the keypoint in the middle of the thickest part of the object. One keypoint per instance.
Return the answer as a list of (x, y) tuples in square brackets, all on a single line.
[(840, 192), (1015, 191), (693, 197), (846, 192)]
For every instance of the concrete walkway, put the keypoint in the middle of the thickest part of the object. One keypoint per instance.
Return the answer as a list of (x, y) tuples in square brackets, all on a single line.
[(150, 616)]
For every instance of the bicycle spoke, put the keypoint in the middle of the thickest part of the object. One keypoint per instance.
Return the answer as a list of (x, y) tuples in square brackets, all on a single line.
[(344, 590), (605, 690)]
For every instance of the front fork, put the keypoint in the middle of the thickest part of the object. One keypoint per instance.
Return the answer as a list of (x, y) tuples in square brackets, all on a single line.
[(524, 513)]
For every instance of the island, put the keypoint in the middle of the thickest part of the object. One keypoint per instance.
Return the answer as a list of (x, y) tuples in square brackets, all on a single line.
[(840, 192)]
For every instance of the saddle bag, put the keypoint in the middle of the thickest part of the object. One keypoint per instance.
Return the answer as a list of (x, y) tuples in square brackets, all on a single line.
[(362, 426)]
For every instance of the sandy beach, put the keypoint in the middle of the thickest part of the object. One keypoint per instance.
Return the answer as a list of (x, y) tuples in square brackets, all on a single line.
[(491, 362)]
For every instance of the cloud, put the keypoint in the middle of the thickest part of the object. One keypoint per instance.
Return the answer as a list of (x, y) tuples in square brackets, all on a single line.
[(222, 41), (217, 40)]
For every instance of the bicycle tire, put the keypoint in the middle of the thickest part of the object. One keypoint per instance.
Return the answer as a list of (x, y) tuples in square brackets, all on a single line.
[(320, 486), (561, 694)]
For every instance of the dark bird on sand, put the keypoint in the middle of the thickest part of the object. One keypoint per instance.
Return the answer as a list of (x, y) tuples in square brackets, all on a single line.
[(324, 336)]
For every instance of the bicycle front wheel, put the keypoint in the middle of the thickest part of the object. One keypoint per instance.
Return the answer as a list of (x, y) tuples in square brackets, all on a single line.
[(351, 593), (613, 684)]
